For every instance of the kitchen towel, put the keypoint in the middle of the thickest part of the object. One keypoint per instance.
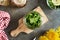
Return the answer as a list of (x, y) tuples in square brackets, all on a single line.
[(4, 21)]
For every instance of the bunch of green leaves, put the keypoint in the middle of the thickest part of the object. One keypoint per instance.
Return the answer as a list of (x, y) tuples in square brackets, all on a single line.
[(33, 20)]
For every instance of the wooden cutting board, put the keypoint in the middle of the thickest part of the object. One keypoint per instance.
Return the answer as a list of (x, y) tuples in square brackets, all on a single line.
[(23, 28)]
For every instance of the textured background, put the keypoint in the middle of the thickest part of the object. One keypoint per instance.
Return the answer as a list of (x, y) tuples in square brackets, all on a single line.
[(17, 13)]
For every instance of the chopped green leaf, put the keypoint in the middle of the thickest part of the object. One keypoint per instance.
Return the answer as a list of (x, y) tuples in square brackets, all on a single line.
[(33, 20)]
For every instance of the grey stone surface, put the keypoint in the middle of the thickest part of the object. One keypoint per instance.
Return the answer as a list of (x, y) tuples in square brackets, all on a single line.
[(17, 13)]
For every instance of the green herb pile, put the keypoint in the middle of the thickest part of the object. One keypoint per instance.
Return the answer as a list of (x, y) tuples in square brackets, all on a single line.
[(33, 20)]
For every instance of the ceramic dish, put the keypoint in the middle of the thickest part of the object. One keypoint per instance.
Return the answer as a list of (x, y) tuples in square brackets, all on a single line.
[(51, 5)]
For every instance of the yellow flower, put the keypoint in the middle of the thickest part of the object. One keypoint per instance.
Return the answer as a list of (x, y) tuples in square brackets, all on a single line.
[(43, 38), (52, 35)]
